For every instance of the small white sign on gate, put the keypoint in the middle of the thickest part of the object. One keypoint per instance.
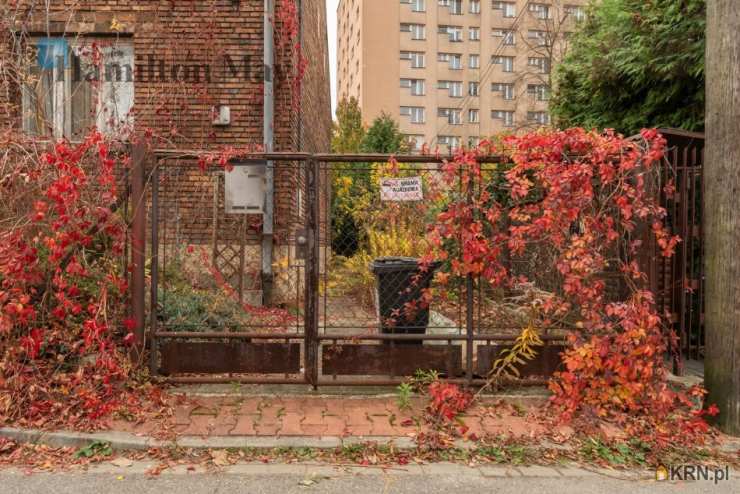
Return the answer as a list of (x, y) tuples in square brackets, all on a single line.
[(401, 189)]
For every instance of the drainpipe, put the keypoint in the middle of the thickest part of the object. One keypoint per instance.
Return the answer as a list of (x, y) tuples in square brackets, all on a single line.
[(268, 132)]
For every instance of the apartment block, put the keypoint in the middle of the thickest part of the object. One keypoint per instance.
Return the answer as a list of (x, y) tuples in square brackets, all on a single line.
[(453, 71)]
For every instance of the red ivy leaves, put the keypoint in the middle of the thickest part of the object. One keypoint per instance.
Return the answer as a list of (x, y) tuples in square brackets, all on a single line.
[(580, 193)]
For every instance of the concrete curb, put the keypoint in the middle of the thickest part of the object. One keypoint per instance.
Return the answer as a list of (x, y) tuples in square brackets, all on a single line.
[(123, 441)]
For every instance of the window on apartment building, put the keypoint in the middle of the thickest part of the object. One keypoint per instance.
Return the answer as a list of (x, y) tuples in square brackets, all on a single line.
[(453, 59), (416, 58), (473, 88), (474, 34), (475, 6), (540, 10), (416, 5), (575, 11), (418, 31), (505, 115), (415, 141), (474, 61), (415, 85), (505, 88), (539, 91), (454, 88), (540, 37), (507, 35), (538, 117), (66, 93), (473, 141), (508, 9), (453, 115), (455, 6), (452, 142), (507, 63), (454, 33), (541, 63), (473, 116), (416, 113)]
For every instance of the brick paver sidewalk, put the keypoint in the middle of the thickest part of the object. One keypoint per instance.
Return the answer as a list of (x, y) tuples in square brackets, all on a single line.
[(320, 416)]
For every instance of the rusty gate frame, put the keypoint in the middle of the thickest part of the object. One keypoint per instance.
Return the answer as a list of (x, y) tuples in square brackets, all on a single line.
[(311, 338)]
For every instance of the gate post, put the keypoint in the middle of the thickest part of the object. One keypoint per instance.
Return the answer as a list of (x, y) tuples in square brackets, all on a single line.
[(138, 247), (311, 294)]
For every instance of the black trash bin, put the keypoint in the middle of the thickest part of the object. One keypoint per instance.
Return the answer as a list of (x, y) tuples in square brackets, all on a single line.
[(397, 285)]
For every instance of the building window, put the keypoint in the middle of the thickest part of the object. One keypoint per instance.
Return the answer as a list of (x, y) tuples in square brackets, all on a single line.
[(541, 63), (416, 5), (66, 93), (474, 61), (416, 113), (507, 63), (416, 58), (473, 116), (416, 86), (505, 115), (540, 10), (475, 6), (453, 59), (473, 141), (417, 31), (508, 9), (575, 11), (505, 88), (539, 91), (454, 88), (415, 141), (452, 142), (474, 34), (454, 33), (473, 88), (538, 117), (453, 115), (508, 36), (455, 6), (540, 37)]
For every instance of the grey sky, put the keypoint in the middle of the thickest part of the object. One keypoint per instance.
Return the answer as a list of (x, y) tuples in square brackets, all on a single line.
[(331, 27)]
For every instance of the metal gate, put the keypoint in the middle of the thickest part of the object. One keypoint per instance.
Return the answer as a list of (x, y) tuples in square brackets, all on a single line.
[(332, 320)]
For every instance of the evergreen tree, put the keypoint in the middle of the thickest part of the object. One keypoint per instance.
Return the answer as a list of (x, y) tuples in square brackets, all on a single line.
[(634, 64)]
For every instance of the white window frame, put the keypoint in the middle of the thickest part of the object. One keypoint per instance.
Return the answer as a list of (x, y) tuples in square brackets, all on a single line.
[(508, 36), (539, 91), (417, 31), (474, 6), (113, 98), (417, 114), (506, 115), (540, 10), (416, 5), (506, 62), (474, 33), (508, 8), (473, 61), (473, 116), (473, 88), (538, 117)]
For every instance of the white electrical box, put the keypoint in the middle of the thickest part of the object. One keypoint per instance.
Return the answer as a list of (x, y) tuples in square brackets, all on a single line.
[(245, 189), (221, 115)]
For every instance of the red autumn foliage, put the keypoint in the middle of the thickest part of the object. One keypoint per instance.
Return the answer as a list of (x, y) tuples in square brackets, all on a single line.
[(62, 292), (583, 195)]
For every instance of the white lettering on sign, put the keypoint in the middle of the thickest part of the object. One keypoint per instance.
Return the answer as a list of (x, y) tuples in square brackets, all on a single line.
[(401, 189)]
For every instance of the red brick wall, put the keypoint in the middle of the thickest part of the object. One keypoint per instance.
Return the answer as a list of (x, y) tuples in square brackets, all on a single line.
[(196, 34)]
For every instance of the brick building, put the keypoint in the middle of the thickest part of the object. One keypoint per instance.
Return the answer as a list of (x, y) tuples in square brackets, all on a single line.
[(191, 74)]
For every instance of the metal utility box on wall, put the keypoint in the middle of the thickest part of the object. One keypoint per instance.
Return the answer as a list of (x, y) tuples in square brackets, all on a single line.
[(245, 189)]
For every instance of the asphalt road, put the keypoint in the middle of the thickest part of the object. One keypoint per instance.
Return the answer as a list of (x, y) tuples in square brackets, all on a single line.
[(279, 479)]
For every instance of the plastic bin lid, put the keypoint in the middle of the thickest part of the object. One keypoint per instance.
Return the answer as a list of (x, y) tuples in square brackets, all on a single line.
[(391, 263)]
